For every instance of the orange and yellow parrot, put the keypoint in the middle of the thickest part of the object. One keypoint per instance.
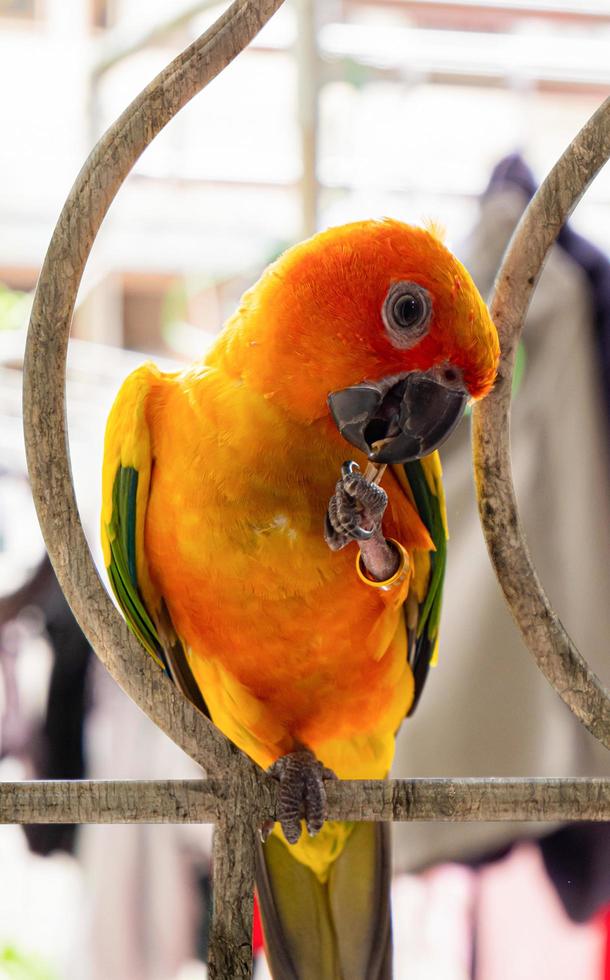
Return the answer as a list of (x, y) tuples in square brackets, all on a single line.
[(288, 594)]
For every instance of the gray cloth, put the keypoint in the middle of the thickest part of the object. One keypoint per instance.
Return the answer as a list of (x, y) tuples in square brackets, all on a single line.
[(487, 710)]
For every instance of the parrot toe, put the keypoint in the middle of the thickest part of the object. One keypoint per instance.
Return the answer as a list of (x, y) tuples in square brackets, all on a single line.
[(302, 795), (371, 498), (356, 509), (335, 540)]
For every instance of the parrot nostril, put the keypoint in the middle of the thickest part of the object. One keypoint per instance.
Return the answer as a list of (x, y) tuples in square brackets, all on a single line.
[(449, 376)]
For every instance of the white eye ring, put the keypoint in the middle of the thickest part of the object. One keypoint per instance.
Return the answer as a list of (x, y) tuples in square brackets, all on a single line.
[(406, 313)]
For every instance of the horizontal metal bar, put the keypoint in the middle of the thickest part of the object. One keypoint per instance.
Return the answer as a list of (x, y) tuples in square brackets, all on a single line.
[(490, 799), (110, 801), (205, 801)]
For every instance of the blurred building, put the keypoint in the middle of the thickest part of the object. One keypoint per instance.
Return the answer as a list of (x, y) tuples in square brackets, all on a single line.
[(339, 109)]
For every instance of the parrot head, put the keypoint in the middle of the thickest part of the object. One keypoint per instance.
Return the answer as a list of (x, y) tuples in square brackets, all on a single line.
[(378, 327)]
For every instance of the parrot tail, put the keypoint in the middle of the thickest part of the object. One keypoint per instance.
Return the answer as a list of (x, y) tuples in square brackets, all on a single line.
[(339, 929)]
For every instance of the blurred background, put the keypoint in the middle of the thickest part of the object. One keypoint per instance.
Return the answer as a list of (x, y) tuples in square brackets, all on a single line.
[(339, 110)]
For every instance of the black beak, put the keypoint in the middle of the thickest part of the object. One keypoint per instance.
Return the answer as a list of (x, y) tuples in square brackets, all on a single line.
[(412, 415)]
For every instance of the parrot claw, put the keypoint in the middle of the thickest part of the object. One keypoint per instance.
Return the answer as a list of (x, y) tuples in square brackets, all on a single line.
[(355, 510), (302, 795), (265, 831)]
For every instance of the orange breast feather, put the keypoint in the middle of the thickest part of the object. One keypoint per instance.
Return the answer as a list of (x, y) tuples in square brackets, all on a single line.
[(285, 642)]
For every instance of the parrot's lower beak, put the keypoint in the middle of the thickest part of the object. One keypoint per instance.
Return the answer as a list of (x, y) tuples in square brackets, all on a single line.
[(412, 415)]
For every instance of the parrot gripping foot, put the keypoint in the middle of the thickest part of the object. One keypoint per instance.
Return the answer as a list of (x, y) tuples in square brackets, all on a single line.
[(355, 513), (302, 795), (355, 510)]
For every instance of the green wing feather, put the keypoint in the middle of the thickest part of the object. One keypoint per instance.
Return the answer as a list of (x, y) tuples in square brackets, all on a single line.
[(125, 490), (122, 572), (431, 507), (122, 568)]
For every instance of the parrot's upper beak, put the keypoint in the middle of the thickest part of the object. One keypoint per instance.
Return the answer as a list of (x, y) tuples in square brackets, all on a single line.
[(412, 414)]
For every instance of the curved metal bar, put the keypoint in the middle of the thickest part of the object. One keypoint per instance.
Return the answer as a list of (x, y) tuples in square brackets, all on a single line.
[(44, 383), (545, 636)]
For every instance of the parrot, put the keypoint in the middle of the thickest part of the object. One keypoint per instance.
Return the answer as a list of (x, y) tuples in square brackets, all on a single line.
[(292, 594)]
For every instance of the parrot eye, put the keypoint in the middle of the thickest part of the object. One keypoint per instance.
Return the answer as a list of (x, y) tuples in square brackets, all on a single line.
[(406, 313)]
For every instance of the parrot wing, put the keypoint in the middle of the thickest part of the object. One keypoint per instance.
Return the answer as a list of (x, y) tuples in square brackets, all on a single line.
[(125, 491), (422, 481)]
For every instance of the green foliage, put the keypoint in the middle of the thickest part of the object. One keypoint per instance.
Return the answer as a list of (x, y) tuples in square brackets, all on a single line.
[(15, 965), (518, 372), (14, 308), (520, 362)]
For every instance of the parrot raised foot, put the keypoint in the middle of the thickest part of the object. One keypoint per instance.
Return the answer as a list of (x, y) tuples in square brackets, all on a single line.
[(355, 510), (355, 513), (302, 795)]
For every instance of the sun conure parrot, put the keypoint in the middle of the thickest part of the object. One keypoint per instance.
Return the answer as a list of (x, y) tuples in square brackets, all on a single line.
[(300, 612)]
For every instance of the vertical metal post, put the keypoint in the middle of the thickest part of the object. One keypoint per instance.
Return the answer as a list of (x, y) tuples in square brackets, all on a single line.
[(308, 84), (230, 954)]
